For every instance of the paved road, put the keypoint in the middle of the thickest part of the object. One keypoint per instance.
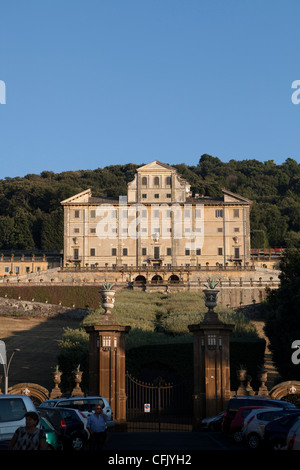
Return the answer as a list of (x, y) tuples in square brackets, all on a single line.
[(171, 441), (166, 441)]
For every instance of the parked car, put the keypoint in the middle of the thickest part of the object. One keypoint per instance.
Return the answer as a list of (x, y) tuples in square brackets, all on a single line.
[(52, 438), (12, 412), (237, 424), (237, 402), (84, 404), (255, 423), (70, 425), (293, 437), (214, 423), (276, 431)]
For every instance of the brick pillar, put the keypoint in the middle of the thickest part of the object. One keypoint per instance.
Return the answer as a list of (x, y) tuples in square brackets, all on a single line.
[(107, 363), (211, 366)]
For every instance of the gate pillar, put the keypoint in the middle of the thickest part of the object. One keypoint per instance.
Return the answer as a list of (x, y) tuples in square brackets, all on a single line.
[(211, 362), (107, 363)]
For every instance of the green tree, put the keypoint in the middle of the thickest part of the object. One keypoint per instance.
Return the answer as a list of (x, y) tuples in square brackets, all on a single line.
[(282, 308)]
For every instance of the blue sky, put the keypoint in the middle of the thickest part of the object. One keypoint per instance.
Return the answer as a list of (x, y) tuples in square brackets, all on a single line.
[(96, 83)]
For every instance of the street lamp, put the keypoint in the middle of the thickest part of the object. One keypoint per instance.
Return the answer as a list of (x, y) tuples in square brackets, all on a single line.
[(3, 360)]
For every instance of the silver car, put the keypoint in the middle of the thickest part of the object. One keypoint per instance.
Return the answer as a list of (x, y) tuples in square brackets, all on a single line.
[(84, 404)]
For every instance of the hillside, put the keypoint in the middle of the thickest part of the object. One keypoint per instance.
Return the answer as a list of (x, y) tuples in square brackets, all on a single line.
[(31, 217)]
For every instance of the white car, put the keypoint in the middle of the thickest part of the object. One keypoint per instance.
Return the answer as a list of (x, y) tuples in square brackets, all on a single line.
[(85, 405), (12, 412), (293, 437), (254, 424)]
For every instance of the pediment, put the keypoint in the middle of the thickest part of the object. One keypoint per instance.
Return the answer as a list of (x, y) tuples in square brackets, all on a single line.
[(78, 198), (155, 166), (232, 197)]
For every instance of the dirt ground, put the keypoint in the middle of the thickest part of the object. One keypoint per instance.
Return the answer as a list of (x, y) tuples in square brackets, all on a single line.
[(37, 339)]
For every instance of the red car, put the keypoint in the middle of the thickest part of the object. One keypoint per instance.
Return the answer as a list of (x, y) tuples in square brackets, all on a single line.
[(236, 425)]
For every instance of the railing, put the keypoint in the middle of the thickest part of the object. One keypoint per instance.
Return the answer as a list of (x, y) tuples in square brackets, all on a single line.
[(72, 269)]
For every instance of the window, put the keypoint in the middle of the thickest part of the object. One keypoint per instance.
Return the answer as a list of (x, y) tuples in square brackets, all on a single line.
[(198, 251), (93, 214), (144, 251), (144, 196), (144, 181), (77, 214), (198, 212), (236, 253), (114, 252), (220, 251), (76, 230), (144, 213), (12, 409), (156, 181), (156, 196), (156, 252), (219, 213), (17, 269), (92, 230), (76, 253), (220, 229), (168, 181), (92, 252), (236, 229), (187, 251), (156, 213), (236, 212), (125, 251), (168, 195), (169, 251)]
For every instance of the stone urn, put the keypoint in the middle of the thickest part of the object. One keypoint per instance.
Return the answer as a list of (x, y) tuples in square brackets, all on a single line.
[(211, 296), (77, 374), (56, 392), (242, 377), (107, 297)]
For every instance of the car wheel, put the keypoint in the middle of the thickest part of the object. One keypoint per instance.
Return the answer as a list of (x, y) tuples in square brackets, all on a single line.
[(77, 443), (237, 436), (278, 445), (253, 441)]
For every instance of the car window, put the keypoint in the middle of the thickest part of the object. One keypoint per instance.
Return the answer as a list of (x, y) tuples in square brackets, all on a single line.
[(96, 401), (245, 413), (266, 416), (67, 415), (47, 403), (12, 409)]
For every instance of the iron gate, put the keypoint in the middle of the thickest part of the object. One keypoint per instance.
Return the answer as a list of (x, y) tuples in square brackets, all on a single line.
[(158, 406)]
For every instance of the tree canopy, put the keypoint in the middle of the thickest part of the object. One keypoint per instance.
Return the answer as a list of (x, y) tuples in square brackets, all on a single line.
[(282, 324)]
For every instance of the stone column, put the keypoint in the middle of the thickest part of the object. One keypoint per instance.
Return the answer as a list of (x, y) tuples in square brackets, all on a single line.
[(107, 360), (211, 362)]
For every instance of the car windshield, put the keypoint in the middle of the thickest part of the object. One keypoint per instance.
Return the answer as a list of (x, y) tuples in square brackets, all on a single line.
[(11, 409)]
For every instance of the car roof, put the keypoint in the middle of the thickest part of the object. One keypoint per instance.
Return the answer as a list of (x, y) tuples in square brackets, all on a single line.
[(253, 407)]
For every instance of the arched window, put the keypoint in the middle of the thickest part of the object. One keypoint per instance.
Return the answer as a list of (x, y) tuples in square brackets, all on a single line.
[(144, 181), (156, 181)]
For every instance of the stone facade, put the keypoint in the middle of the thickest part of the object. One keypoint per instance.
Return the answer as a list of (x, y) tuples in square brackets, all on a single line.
[(160, 223)]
